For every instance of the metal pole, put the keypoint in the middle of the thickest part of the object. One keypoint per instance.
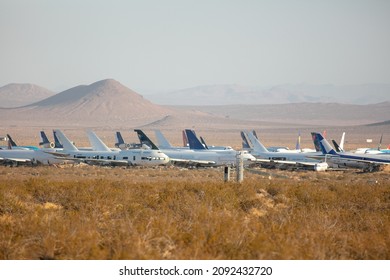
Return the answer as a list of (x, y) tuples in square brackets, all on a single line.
[(226, 173), (240, 167)]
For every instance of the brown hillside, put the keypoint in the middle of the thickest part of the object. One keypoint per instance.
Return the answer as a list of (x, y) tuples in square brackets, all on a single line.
[(16, 95), (102, 103)]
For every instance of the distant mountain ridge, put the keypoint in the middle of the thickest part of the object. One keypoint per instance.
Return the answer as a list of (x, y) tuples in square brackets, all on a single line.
[(16, 95), (281, 94), (101, 103), (108, 103)]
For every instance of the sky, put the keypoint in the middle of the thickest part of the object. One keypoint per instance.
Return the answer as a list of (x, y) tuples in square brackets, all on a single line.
[(175, 44)]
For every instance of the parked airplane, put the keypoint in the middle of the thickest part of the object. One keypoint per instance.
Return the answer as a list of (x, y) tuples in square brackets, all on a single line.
[(193, 157), (285, 160), (143, 157), (347, 159), (373, 151), (12, 145), (32, 157)]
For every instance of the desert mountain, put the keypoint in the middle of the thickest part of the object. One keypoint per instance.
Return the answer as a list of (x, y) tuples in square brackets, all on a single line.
[(102, 103), (16, 95), (281, 94), (302, 113)]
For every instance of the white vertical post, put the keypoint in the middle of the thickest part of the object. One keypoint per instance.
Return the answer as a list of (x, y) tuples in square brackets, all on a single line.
[(240, 167)]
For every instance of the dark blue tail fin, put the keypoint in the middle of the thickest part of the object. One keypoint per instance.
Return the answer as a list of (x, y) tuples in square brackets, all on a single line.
[(44, 139), (119, 139), (145, 139), (194, 142), (57, 143), (11, 142), (321, 143)]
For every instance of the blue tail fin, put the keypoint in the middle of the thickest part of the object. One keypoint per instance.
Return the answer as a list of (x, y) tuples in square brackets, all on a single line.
[(44, 139), (194, 142), (10, 141), (321, 143), (245, 143), (119, 139), (145, 139), (57, 143)]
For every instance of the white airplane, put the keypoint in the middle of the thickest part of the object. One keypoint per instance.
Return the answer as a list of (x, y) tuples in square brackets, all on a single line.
[(347, 159), (133, 157), (202, 157), (283, 160), (32, 157)]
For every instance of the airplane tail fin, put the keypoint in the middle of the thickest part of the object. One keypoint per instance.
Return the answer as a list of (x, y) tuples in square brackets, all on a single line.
[(96, 143), (66, 143), (119, 139), (162, 142), (380, 143), (324, 145), (185, 139), (336, 146), (145, 139), (193, 141), (342, 142), (57, 143), (298, 144), (257, 145), (45, 143), (203, 142), (255, 134), (245, 142), (11, 141)]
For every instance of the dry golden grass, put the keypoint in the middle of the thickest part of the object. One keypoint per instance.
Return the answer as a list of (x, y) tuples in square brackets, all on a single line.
[(167, 213)]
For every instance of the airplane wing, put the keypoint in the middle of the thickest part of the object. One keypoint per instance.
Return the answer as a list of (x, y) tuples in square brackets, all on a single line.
[(93, 161), (15, 159), (192, 162), (56, 154), (284, 164)]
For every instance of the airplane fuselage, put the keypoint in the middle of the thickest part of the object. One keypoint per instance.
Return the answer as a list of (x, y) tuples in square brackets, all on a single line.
[(223, 157), (32, 156), (142, 157)]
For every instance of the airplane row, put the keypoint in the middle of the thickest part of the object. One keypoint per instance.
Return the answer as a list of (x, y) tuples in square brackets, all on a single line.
[(195, 152)]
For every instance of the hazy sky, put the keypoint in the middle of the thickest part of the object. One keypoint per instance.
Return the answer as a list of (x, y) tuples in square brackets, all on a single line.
[(172, 44)]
